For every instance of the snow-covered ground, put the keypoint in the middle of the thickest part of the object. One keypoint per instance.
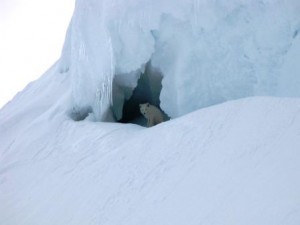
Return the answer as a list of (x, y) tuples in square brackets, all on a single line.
[(232, 163)]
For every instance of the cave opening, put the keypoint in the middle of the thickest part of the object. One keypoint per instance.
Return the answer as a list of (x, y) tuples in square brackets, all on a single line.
[(148, 89)]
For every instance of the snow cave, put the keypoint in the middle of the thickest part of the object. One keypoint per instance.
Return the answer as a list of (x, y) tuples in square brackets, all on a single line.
[(144, 86), (126, 99), (117, 62)]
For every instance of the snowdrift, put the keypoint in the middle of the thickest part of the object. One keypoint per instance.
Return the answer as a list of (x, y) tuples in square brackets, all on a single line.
[(234, 163)]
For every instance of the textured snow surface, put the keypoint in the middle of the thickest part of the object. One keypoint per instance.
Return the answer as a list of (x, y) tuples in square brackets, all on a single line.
[(231, 164), (234, 163), (207, 51)]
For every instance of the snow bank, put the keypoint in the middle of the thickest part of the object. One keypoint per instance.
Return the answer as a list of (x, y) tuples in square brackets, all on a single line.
[(235, 163), (207, 51)]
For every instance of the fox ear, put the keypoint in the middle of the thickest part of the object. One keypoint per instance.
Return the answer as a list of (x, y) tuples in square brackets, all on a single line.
[(148, 104)]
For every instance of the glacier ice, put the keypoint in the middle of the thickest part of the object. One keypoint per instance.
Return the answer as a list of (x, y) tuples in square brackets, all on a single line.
[(207, 51)]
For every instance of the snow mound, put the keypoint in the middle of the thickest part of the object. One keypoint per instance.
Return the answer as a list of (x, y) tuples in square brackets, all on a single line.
[(234, 163)]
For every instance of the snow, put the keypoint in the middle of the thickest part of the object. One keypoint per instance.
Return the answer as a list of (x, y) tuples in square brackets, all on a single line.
[(226, 156), (234, 163), (289, 79)]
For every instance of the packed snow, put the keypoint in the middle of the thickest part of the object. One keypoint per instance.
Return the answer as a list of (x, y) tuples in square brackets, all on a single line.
[(74, 150)]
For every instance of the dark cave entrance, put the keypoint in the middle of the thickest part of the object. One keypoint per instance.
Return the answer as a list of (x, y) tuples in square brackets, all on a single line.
[(148, 88)]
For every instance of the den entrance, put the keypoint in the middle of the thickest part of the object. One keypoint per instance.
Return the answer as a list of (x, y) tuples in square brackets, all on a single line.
[(147, 90)]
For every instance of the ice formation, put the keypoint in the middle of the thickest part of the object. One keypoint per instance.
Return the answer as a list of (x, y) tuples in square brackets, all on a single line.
[(206, 51)]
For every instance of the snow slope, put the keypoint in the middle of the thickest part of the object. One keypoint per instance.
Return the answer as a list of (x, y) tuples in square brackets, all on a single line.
[(231, 164)]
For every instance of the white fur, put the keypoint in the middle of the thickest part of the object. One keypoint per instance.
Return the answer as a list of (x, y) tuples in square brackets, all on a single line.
[(152, 114)]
